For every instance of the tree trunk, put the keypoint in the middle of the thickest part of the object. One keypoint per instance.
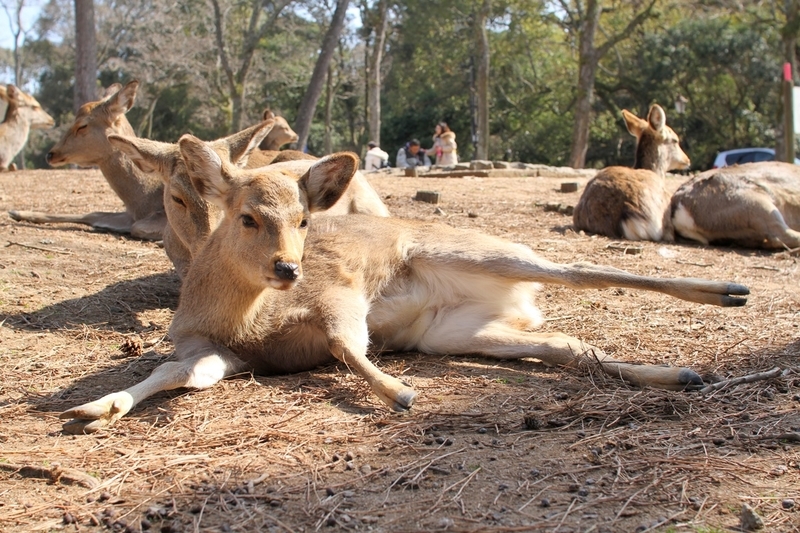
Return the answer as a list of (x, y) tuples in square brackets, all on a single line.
[(482, 79), (85, 54), (587, 71), (328, 142), (309, 104), (374, 72)]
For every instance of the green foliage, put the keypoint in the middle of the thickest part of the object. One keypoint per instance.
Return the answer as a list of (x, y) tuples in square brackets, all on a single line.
[(726, 62)]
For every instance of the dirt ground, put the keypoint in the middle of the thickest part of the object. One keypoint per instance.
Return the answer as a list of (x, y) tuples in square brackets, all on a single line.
[(488, 446)]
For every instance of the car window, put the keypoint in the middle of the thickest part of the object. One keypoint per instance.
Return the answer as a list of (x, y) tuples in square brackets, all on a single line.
[(763, 156), (747, 157), (732, 159)]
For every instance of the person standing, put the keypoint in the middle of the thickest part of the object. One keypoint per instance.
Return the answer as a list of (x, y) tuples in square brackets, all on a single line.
[(411, 155), (444, 144), (376, 158)]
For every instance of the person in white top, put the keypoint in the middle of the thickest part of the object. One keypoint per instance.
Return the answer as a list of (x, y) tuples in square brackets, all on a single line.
[(375, 158)]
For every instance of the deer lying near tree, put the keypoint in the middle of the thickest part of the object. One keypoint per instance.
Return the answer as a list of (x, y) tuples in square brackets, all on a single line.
[(274, 291), (23, 114), (756, 205), (632, 203), (192, 219), (86, 144)]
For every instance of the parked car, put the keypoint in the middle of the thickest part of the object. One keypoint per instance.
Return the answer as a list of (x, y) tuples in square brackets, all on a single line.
[(741, 156)]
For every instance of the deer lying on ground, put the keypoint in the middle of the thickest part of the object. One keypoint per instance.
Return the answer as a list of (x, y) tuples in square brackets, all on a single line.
[(86, 144), (276, 291), (632, 203), (23, 114), (756, 205), (280, 134), (192, 219)]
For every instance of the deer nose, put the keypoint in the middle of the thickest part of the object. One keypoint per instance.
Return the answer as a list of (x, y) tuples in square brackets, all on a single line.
[(287, 271), (49, 157)]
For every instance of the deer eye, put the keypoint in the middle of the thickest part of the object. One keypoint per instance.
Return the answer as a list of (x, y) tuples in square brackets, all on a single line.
[(248, 221), (178, 201), (81, 127), (304, 223)]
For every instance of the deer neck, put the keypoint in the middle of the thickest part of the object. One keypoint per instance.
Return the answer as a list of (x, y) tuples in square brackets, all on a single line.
[(649, 157), (15, 129), (141, 193), (236, 303)]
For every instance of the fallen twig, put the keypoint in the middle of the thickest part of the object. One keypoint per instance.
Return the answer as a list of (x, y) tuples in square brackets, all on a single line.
[(54, 474), (694, 264), (791, 437), (625, 248), (775, 372), (40, 248), (766, 268)]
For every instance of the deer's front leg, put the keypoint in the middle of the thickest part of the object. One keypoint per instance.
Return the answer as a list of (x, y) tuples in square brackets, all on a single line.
[(348, 339), (202, 365)]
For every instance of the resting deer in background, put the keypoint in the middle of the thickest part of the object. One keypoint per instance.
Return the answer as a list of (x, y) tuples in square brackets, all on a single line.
[(632, 203), (756, 205), (85, 143), (192, 219), (22, 114), (276, 291), (280, 134)]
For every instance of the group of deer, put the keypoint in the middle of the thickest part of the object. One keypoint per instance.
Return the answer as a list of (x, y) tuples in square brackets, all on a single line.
[(273, 283), (755, 205)]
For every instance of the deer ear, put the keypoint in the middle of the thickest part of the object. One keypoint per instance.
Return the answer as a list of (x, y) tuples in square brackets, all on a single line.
[(327, 179), (656, 117), (240, 145), (206, 170), (149, 156), (634, 124), (268, 114), (109, 91), (122, 101)]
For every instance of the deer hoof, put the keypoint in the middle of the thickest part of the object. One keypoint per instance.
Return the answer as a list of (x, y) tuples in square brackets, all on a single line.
[(690, 379), (404, 400)]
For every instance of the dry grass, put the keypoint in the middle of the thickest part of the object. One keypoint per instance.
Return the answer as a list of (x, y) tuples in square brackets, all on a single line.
[(489, 446)]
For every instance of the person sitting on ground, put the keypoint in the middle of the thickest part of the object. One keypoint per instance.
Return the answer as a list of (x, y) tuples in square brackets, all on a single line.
[(376, 158), (411, 155)]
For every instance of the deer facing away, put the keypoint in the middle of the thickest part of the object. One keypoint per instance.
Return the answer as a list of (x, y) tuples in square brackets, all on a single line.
[(86, 143), (23, 114), (756, 205), (192, 218), (633, 203), (275, 291)]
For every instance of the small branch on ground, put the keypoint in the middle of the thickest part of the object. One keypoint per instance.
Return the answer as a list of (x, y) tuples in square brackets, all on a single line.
[(775, 372), (40, 248)]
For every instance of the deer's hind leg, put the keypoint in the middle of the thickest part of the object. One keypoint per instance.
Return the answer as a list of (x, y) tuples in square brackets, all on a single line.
[(500, 340), (748, 218)]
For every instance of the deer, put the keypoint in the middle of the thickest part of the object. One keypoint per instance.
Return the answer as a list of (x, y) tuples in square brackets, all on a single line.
[(192, 218), (23, 114), (85, 143), (275, 290), (280, 134), (633, 203), (755, 205)]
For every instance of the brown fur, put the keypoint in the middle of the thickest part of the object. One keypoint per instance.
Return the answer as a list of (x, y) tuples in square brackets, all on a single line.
[(192, 218), (23, 113), (86, 143), (281, 133), (756, 205), (275, 291), (620, 202)]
